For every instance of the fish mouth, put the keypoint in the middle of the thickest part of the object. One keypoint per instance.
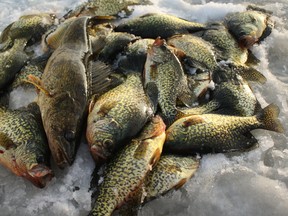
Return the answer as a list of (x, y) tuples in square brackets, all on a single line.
[(98, 154), (62, 153), (40, 175)]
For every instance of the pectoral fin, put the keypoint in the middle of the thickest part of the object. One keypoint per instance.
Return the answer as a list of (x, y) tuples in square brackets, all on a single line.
[(38, 84), (180, 183), (153, 94), (193, 120)]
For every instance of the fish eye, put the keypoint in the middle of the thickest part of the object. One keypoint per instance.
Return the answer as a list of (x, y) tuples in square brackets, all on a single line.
[(69, 135), (40, 159), (108, 143), (53, 16)]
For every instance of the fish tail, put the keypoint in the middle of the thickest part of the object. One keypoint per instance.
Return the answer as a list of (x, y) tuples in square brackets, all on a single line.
[(252, 75), (269, 117)]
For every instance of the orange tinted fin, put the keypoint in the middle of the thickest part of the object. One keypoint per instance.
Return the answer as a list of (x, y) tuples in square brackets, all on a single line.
[(38, 84), (156, 157), (180, 183), (159, 42), (193, 121)]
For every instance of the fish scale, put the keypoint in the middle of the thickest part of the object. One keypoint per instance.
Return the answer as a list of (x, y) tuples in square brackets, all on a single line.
[(127, 170), (209, 133), (117, 115), (172, 171), (164, 70), (24, 129)]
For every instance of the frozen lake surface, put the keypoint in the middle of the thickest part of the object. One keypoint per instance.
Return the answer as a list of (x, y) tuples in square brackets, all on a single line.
[(249, 183)]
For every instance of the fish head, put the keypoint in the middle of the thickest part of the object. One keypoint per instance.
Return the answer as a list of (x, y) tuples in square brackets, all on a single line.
[(34, 164), (102, 137), (157, 52), (250, 27), (62, 125)]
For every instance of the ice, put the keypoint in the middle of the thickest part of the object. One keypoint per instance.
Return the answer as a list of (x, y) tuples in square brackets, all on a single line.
[(245, 183), (21, 97)]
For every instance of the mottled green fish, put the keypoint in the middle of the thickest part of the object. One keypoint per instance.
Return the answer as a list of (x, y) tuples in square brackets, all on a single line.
[(249, 27), (103, 7), (154, 25), (23, 145), (63, 92), (198, 52), (34, 67), (210, 133), (225, 44), (165, 81), (134, 57), (115, 42), (171, 172), (27, 27), (229, 53), (199, 61), (233, 98), (117, 115), (11, 61), (126, 172)]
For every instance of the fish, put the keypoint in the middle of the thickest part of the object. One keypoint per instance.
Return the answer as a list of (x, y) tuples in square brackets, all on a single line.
[(229, 98), (216, 133), (11, 62), (199, 61), (249, 27), (103, 7), (134, 56), (117, 115), (115, 42), (229, 54), (33, 67), (127, 170), (171, 172), (63, 92), (225, 45), (165, 81), (28, 27), (155, 25), (198, 52), (97, 36), (4, 99), (23, 145)]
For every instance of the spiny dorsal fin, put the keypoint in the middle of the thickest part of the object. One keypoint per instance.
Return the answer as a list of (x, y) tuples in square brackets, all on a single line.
[(100, 77)]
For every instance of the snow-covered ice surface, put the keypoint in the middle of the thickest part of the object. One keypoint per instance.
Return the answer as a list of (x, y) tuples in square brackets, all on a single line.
[(249, 183)]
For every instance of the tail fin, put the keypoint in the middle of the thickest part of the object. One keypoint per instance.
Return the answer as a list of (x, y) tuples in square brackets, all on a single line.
[(252, 75), (269, 117)]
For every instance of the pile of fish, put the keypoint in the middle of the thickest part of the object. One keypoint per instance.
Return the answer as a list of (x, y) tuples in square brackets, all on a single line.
[(150, 94)]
